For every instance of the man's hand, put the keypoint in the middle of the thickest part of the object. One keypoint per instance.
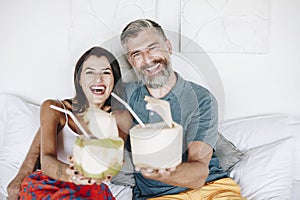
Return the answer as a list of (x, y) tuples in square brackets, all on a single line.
[(156, 174), (191, 174)]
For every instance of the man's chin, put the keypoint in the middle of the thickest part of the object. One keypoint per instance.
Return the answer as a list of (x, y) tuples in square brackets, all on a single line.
[(154, 84)]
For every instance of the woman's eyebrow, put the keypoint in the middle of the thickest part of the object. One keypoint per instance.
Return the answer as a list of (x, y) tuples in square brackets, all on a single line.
[(89, 68), (108, 68), (92, 68)]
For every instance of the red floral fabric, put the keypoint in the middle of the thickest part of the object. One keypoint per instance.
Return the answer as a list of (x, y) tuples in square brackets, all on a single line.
[(38, 186)]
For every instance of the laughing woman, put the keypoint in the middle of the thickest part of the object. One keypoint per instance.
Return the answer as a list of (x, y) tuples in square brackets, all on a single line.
[(95, 76)]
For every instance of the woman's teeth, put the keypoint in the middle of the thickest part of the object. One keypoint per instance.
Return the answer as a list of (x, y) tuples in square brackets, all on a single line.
[(98, 89)]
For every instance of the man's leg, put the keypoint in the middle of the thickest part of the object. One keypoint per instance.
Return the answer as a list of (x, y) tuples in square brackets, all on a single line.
[(225, 188)]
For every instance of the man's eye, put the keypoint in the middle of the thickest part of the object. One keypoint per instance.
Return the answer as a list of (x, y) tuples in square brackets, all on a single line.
[(135, 55), (153, 48)]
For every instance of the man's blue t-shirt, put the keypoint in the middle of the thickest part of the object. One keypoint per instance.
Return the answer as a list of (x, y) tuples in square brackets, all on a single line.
[(196, 110)]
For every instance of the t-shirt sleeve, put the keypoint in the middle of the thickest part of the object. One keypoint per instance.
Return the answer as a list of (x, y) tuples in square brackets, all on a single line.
[(204, 120)]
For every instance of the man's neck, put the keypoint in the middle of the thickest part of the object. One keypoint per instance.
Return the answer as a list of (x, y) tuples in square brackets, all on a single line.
[(164, 90)]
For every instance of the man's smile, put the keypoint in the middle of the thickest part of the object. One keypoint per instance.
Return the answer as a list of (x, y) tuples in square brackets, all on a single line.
[(154, 69)]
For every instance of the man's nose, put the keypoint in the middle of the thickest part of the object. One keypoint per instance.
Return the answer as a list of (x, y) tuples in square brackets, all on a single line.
[(147, 58)]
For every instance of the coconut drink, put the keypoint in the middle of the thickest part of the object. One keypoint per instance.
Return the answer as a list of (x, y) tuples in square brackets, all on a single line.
[(98, 158), (101, 155), (157, 145)]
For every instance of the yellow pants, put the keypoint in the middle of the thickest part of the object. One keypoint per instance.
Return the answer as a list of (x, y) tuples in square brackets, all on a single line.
[(220, 189)]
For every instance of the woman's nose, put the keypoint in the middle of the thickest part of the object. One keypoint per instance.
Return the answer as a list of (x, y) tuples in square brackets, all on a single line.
[(98, 77)]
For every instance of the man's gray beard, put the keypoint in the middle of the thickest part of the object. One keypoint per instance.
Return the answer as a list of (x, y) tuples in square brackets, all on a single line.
[(158, 80)]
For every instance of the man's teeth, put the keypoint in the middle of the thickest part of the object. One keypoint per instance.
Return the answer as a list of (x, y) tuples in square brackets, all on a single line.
[(153, 68)]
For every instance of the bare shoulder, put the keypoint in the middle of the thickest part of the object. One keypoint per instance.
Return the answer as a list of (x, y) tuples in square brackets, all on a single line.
[(48, 102), (48, 114)]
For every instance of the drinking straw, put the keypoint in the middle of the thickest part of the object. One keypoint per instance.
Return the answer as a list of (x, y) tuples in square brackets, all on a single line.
[(74, 119), (129, 108)]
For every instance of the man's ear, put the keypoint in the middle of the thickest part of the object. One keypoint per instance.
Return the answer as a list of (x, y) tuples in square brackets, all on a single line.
[(169, 46)]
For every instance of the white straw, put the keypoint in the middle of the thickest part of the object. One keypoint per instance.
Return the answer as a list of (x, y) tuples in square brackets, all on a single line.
[(74, 119), (129, 108)]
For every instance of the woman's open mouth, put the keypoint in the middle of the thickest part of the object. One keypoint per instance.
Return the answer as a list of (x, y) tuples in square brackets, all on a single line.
[(98, 89)]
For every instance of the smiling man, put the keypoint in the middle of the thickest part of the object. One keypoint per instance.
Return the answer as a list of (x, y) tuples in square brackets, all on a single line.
[(199, 176)]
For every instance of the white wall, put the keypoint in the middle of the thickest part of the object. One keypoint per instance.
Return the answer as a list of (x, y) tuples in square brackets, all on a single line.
[(269, 82), (34, 50), (37, 61)]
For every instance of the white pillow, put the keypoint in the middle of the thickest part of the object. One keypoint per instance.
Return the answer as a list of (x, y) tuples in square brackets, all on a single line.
[(19, 122), (266, 172), (251, 132)]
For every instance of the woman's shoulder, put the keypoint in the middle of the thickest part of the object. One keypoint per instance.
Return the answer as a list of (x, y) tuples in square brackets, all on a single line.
[(63, 104), (66, 103), (48, 102), (49, 114)]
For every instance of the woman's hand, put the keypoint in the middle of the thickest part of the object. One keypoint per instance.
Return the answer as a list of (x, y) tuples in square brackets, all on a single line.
[(79, 179)]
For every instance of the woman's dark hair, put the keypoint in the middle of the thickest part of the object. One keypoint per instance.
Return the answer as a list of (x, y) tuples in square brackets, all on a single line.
[(80, 103)]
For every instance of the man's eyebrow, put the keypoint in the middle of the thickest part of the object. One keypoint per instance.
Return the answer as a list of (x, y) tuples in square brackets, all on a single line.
[(153, 44), (150, 45)]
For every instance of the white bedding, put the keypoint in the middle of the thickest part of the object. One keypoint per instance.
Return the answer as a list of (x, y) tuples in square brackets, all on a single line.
[(269, 169), (18, 124)]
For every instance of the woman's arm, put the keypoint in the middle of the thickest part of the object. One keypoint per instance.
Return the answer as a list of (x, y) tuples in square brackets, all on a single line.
[(51, 122), (124, 122)]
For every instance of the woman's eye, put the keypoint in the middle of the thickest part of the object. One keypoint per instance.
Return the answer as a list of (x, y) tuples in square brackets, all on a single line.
[(89, 72), (107, 72)]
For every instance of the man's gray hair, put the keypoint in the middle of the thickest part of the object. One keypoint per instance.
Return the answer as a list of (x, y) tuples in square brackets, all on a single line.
[(135, 27)]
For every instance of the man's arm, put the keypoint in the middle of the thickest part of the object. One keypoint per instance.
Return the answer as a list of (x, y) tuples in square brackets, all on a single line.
[(26, 168), (191, 174)]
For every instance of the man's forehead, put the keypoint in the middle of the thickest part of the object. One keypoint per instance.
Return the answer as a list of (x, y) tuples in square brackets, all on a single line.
[(143, 40)]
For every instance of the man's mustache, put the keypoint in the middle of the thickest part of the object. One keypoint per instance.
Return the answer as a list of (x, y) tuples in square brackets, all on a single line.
[(154, 62)]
